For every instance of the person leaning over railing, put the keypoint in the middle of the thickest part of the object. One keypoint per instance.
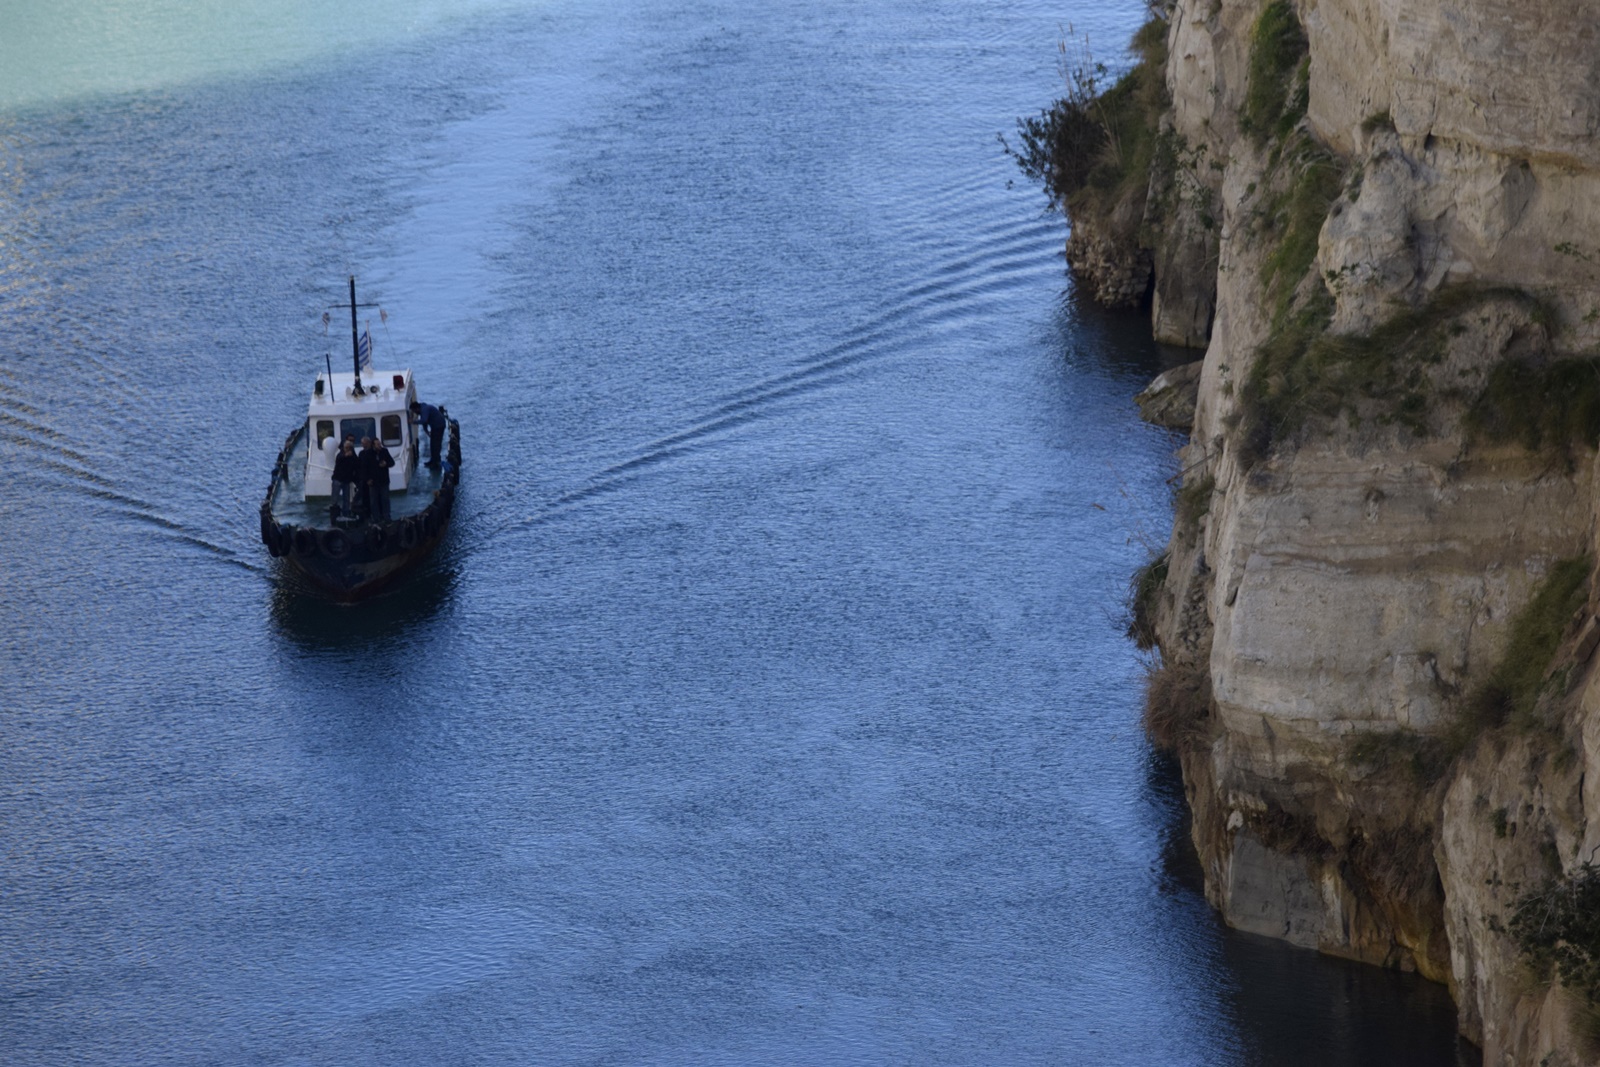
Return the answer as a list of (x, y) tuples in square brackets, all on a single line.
[(433, 419)]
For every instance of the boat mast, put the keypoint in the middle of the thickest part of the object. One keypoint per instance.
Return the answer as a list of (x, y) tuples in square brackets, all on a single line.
[(355, 340)]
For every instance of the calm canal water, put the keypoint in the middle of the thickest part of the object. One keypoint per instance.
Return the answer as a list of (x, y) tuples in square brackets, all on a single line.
[(768, 703)]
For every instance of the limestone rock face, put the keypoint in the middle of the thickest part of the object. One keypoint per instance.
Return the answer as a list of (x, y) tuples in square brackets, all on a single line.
[(1506, 815), (1345, 592), (1114, 269), (1169, 399), (1519, 78), (1428, 213), (1183, 293), (1475, 122)]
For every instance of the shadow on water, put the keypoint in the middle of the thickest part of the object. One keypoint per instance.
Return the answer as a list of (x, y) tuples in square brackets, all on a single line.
[(1294, 1005), (311, 619), (1117, 340)]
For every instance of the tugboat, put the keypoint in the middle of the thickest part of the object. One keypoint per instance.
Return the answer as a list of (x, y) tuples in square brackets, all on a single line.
[(347, 550)]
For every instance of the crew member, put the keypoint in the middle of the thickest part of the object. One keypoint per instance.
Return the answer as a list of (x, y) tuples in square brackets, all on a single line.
[(433, 419)]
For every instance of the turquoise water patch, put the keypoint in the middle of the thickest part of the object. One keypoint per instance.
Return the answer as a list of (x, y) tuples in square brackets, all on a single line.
[(58, 50)]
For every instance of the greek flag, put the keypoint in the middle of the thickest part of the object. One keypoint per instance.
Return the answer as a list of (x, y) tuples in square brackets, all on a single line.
[(364, 351)]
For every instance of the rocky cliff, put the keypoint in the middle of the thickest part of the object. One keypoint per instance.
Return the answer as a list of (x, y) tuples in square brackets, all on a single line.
[(1374, 613)]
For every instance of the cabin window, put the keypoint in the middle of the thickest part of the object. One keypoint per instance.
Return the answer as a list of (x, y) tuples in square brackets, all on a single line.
[(324, 430), (391, 429), (358, 428)]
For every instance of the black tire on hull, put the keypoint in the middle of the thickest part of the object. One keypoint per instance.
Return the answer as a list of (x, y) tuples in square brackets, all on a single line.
[(270, 535), (303, 542), (335, 544)]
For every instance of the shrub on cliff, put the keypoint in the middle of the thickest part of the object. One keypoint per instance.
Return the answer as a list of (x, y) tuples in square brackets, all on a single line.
[(1557, 927), (1144, 590), (1094, 148)]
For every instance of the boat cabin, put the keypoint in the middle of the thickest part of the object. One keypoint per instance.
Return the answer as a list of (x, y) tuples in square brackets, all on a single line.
[(381, 409)]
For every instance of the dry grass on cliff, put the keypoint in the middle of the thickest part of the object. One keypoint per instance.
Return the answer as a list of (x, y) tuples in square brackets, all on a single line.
[(1192, 503), (1095, 148), (1177, 705), (1397, 863), (1144, 595), (1420, 758)]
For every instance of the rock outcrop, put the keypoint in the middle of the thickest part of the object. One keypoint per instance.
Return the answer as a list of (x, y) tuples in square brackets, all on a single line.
[(1391, 466), (1169, 400)]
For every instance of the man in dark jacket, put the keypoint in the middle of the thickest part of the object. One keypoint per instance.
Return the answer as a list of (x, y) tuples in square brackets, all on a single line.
[(375, 463), (346, 474), (433, 420)]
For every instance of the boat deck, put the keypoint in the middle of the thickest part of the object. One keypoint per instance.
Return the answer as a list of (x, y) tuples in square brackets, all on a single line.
[(290, 507)]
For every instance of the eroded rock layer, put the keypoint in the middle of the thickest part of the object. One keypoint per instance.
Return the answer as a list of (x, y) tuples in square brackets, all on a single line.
[(1390, 485)]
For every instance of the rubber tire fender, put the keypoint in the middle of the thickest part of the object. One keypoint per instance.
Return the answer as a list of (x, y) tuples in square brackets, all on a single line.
[(303, 542), (269, 534), (335, 544), (407, 535)]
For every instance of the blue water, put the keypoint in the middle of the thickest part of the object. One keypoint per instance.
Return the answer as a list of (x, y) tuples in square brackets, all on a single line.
[(768, 703)]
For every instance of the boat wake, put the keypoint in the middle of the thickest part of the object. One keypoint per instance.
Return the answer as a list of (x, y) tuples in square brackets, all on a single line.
[(954, 293)]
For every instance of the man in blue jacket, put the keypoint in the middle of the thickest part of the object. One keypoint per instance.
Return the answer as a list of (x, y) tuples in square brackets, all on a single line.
[(433, 419)]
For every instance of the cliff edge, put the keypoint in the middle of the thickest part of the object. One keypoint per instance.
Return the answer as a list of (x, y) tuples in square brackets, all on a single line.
[(1376, 614)]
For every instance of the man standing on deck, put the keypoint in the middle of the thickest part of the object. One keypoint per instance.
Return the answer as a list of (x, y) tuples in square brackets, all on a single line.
[(432, 418), (346, 474), (375, 463)]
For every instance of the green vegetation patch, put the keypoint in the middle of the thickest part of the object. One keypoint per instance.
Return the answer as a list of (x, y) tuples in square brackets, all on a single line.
[(1144, 590), (1539, 405), (1557, 928), (1510, 694), (1293, 220), (1277, 90), (1097, 146), (1288, 378), (1303, 371)]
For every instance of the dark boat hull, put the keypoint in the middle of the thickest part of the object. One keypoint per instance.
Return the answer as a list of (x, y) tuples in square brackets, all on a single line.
[(355, 561), (365, 569)]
